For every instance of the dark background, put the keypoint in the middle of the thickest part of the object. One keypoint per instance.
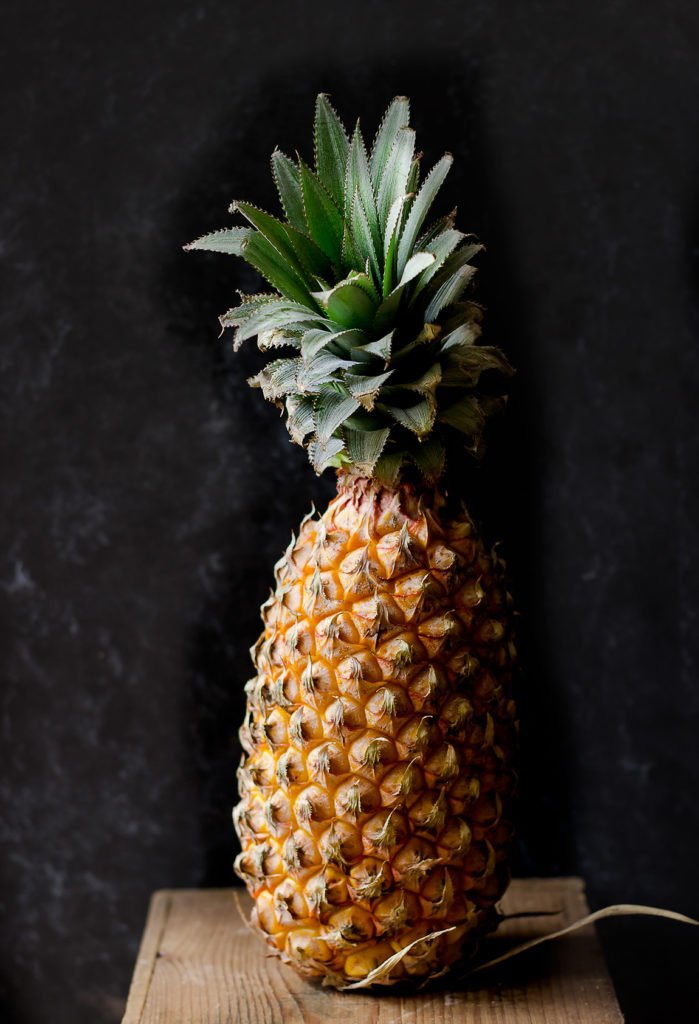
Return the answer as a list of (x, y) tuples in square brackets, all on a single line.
[(146, 491)]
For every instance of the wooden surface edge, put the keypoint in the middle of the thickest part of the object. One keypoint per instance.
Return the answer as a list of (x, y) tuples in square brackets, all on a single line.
[(156, 921), (172, 910)]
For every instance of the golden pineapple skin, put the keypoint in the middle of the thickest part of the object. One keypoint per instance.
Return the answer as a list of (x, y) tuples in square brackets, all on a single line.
[(379, 738)]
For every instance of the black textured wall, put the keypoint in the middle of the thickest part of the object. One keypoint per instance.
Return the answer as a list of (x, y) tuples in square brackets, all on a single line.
[(146, 491)]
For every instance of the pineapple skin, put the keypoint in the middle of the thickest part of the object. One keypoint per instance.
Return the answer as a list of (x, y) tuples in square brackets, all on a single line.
[(380, 733)]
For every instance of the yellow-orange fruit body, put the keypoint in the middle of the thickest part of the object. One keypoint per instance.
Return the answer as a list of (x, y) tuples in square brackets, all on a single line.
[(379, 740)]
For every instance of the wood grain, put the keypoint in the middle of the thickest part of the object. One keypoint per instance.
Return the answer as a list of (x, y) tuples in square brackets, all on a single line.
[(199, 964)]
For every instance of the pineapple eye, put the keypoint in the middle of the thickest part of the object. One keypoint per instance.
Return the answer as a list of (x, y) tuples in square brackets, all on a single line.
[(327, 759), (444, 763)]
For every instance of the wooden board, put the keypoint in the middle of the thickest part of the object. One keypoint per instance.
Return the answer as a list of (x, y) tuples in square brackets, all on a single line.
[(199, 964)]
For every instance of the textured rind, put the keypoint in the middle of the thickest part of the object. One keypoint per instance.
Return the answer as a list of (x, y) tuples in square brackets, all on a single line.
[(379, 739)]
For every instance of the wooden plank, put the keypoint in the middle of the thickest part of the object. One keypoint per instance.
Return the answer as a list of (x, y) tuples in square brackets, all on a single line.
[(199, 964), (147, 955)]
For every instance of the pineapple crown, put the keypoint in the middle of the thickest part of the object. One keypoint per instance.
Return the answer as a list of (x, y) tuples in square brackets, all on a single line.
[(384, 375)]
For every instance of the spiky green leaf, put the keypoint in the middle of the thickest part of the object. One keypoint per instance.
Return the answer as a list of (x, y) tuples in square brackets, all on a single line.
[(300, 417), (465, 415), (388, 310), (277, 379), (420, 208), (391, 234), (228, 240), (262, 255), (395, 174), (315, 374), (365, 389), (312, 258), (426, 384), (418, 418), (288, 181), (434, 229), (365, 281), (411, 186), (266, 316), (324, 219), (331, 411), (331, 146), (388, 467), (358, 180), (315, 341), (371, 350), (448, 292), (275, 338), (362, 233), (351, 256), (364, 447), (441, 247), (396, 117), (418, 262), (463, 335), (326, 454), (276, 233), (247, 307), (348, 304), (429, 456), (462, 367)]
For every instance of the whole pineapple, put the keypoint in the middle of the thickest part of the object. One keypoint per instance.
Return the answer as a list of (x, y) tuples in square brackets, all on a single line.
[(380, 726)]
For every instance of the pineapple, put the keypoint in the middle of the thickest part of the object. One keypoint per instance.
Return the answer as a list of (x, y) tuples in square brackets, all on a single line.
[(377, 776)]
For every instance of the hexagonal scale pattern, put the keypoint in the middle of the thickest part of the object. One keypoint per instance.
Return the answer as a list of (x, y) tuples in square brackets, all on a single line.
[(379, 737)]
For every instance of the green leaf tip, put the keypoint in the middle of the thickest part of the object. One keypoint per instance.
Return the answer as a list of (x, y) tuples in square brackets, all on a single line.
[(385, 370)]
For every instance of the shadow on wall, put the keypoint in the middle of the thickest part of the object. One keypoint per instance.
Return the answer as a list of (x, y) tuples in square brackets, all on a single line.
[(653, 987), (274, 485)]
